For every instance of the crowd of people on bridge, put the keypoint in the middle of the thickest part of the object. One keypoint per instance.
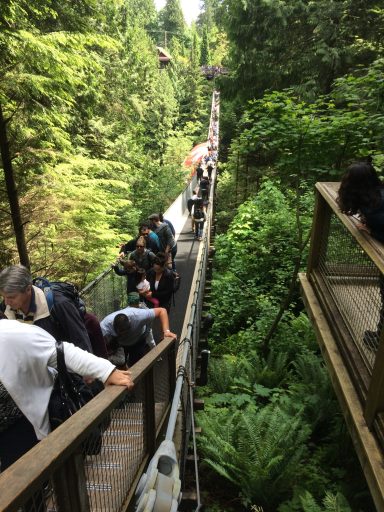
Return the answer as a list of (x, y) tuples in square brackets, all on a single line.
[(31, 322)]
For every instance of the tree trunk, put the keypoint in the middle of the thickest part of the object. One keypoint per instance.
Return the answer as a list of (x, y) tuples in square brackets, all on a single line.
[(13, 197)]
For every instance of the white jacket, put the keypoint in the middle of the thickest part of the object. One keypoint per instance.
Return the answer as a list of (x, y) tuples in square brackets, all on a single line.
[(27, 368)]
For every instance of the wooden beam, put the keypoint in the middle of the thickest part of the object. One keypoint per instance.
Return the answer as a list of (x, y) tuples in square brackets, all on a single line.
[(321, 222), (375, 395), (17, 485), (372, 247), (367, 448)]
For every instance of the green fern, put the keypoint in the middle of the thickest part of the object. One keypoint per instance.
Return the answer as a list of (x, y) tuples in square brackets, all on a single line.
[(305, 502), (312, 390), (257, 450)]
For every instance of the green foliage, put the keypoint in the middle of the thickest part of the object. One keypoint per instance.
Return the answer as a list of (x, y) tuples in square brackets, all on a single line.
[(257, 450), (254, 259), (311, 392), (305, 502), (239, 381), (95, 129), (172, 21), (302, 44), (205, 54)]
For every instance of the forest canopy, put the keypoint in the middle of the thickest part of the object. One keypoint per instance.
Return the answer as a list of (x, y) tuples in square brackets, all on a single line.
[(93, 131)]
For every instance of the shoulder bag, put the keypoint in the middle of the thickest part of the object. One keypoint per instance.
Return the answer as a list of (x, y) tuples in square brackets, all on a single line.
[(69, 394)]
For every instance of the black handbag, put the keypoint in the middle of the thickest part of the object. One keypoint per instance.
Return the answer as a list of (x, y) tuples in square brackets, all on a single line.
[(69, 394), (9, 412)]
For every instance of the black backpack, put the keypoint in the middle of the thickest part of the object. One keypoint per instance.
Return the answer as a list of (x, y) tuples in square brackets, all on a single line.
[(176, 281), (176, 284), (198, 214), (64, 288)]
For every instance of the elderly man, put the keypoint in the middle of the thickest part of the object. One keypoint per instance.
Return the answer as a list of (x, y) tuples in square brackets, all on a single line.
[(27, 303), (130, 326)]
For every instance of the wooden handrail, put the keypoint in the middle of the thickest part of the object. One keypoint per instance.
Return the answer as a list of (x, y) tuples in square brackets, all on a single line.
[(373, 248)]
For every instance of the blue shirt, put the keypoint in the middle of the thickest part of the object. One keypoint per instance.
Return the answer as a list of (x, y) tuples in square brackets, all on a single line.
[(140, 322)]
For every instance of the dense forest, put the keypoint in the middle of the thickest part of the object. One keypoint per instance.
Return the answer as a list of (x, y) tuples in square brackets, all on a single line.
[(303, 99), (93, 132)]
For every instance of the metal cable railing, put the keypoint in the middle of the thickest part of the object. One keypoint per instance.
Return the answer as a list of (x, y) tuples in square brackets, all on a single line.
[(182, 403)]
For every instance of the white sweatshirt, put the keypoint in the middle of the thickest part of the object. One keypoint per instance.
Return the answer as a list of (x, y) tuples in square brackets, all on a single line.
[(27, 368)]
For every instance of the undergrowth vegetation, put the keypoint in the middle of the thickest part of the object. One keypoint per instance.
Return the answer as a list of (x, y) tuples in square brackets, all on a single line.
[(271, 427)]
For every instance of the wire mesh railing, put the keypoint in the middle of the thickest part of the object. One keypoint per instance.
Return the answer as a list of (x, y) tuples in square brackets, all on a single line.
[(353, 281), (105, 294), (345, 271)]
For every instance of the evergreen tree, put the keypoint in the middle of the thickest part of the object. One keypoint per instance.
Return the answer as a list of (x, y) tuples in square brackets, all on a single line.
[(172, 21), (205, 54), (274, 45)]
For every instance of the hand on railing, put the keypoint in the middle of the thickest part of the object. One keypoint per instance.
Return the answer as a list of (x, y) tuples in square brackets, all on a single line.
[(120, 378), (168, 334), (363, 227)]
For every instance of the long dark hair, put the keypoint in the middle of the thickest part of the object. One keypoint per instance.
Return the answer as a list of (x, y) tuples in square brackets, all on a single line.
[(360, 187)]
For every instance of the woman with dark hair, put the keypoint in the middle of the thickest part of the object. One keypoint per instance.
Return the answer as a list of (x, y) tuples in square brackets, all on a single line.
[(361, 192), (161, 281)]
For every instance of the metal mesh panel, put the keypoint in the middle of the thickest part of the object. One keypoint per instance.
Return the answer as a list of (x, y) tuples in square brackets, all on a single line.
[(42, 500), (106, 294), (110, 474), (113, 455), (353, 281)]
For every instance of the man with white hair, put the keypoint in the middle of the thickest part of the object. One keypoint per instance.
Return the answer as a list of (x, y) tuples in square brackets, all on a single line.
[(27, 303)]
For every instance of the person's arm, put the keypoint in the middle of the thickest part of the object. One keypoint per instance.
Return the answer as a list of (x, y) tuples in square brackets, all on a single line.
[(155, 240), (88, 365), (162, 315), (119, 271), (120, 378), (170, 241)]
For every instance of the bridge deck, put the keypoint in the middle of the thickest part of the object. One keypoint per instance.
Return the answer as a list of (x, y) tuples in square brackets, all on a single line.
[(110, 473)]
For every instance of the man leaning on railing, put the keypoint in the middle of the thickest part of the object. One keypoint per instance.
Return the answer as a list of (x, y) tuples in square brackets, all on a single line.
[(27, 355), (129, 326)]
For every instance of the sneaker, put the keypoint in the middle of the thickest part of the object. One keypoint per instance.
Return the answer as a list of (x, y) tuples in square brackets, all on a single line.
[(371, 340)]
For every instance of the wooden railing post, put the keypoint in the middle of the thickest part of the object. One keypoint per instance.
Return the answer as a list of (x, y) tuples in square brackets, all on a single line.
[(69, 483), (320, 227), (375, 395)]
